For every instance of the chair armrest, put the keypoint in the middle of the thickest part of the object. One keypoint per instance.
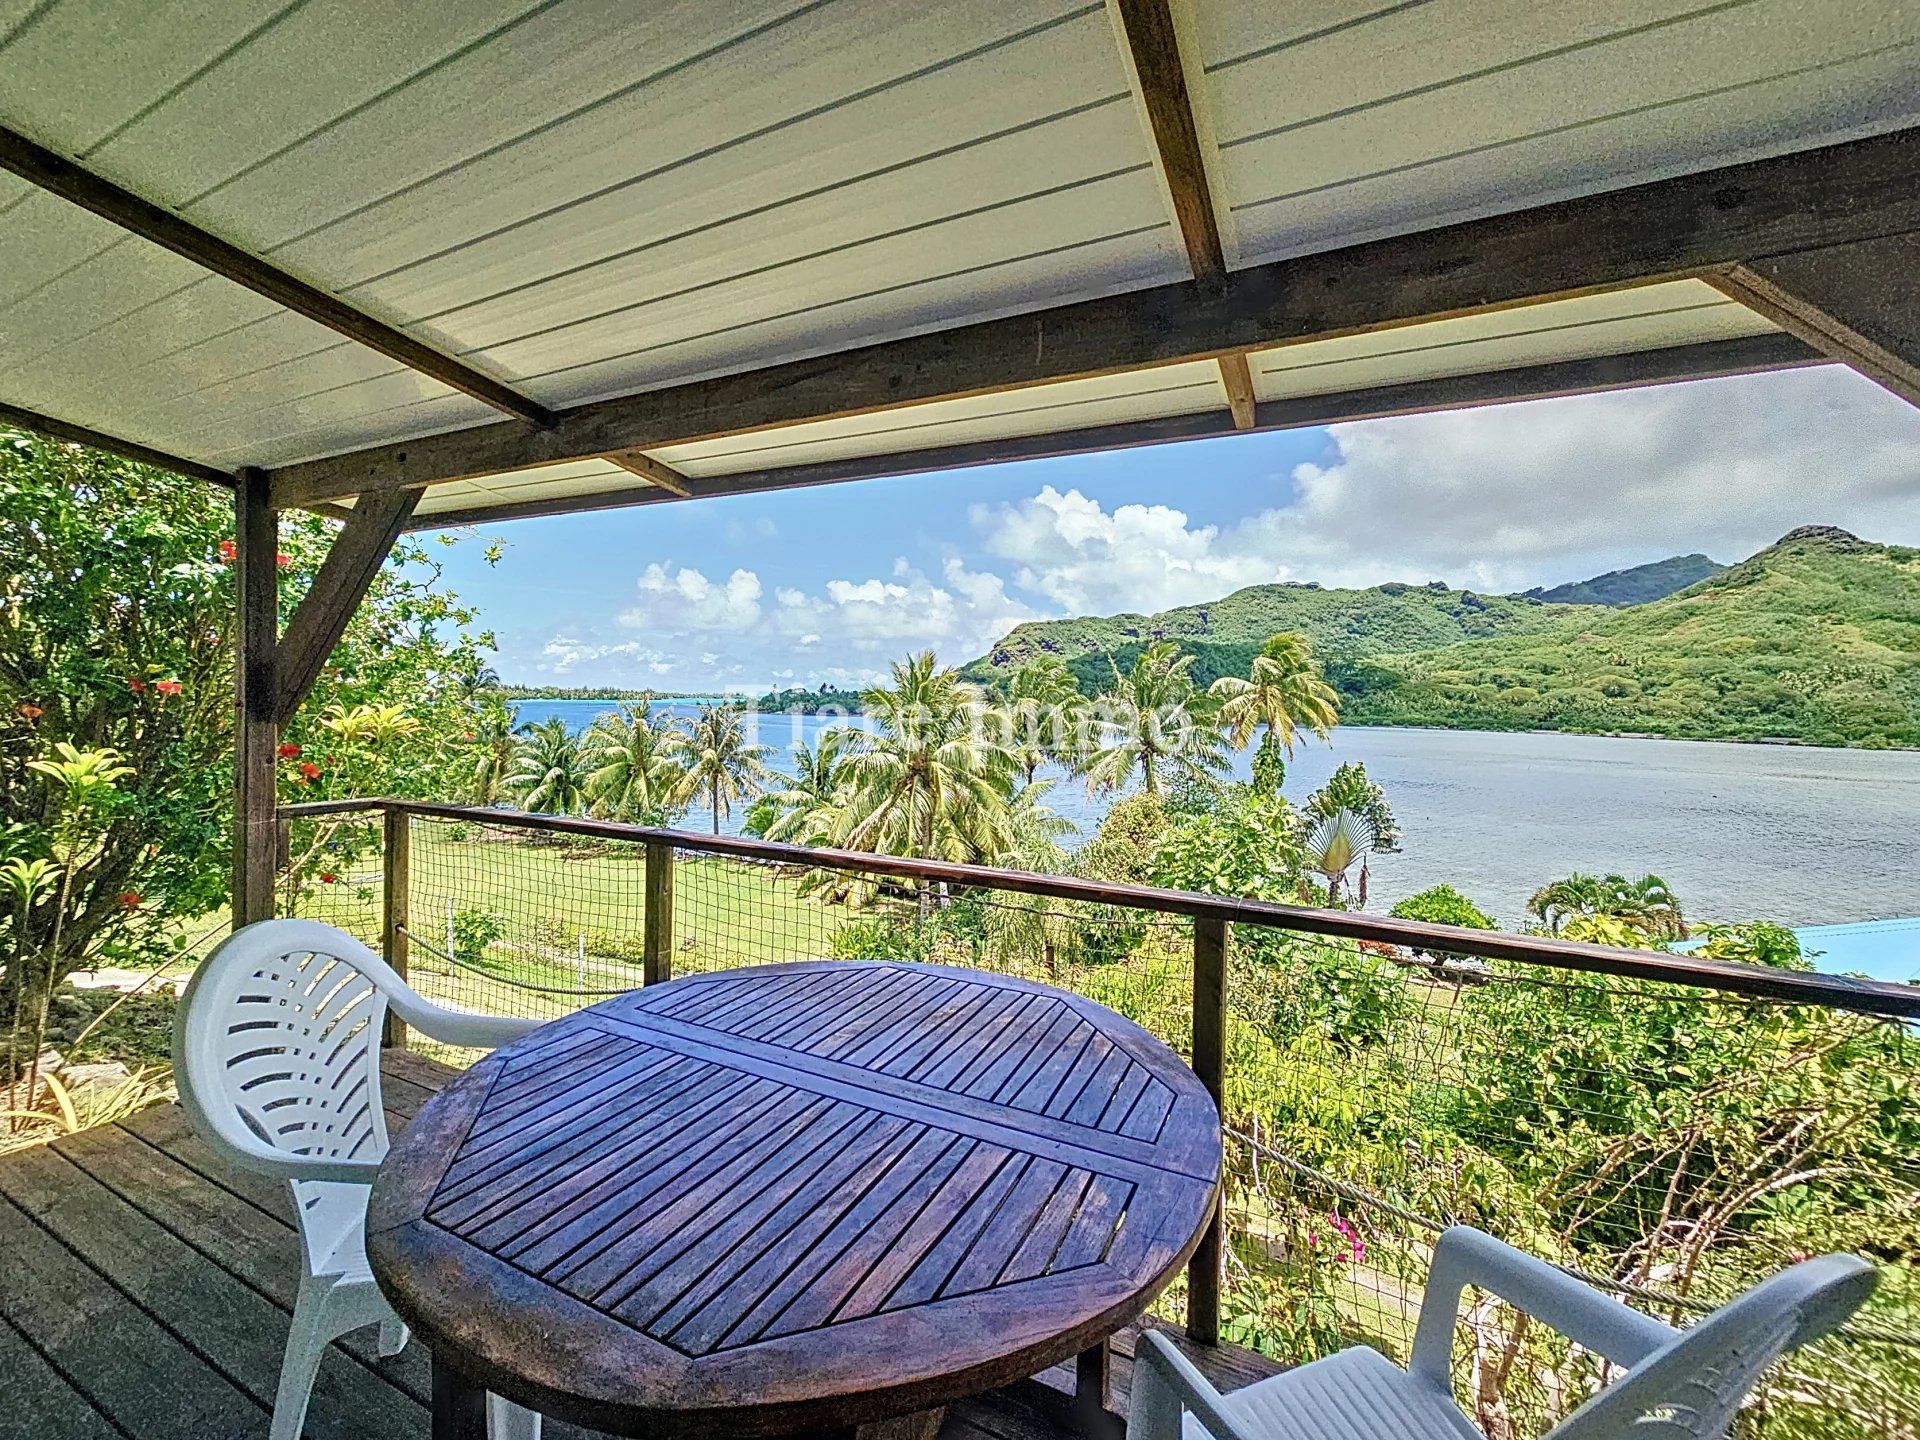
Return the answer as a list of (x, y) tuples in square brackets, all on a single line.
[(1158, 1362), (1464, 1256), (255, 1155), (455, 1027)]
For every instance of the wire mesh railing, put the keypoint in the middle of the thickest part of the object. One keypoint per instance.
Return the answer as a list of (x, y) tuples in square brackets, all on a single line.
[(1667, 1128)]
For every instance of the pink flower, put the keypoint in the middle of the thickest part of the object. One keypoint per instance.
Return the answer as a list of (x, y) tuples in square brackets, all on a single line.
[(229, 551), (309, 770), (282, 559), (167, 687), (136, 685)]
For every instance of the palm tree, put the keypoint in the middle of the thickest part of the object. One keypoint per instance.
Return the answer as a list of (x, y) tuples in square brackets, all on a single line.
[(1034, 925), (811, 802), (722, 767), (549, 773), (929, 780), (1044, 706), (635, 764), (1152, 717), (1285, 695), (492, 732), (1647, 904), (1334, 844)]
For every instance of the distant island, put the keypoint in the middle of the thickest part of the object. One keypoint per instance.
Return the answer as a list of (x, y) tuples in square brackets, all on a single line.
[(1815, 640), (592, 692)]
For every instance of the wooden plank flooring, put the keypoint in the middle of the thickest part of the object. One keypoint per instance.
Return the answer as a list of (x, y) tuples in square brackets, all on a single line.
[(145, 1292)]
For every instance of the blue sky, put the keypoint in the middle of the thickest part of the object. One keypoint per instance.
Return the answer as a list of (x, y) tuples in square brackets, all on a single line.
[(829, 583)]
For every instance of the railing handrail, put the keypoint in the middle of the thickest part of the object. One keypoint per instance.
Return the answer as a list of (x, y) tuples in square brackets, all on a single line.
[(1869, 997)]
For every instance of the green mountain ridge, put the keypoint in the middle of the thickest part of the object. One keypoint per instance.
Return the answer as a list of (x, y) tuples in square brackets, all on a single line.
[(1815, 639), (1635, 585)]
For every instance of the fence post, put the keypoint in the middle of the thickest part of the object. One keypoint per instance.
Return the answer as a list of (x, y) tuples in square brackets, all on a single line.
[(657, 958), (1209, 1063), (393, 904)]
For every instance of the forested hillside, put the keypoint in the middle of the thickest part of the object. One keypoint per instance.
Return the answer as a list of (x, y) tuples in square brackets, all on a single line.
[(1815, 639), (1636, 585)]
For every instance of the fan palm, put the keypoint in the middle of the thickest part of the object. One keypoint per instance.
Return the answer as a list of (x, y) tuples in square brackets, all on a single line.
[(1284, 695), (929, 780), (1334, 845), (549, 773), (1154, 717), (635, 764), (723, 767)]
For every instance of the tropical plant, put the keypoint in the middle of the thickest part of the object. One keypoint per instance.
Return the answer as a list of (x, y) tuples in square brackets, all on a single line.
[(1443, 905), (1284, 694), (634, 765), (1151, 720), (491, 735), (1648, 906), (1333, 845), (1249, 846), (1035, 928), (808, 805), (1349, 788), (549, 770), (722, 766), (930, 779), (1044, 713)]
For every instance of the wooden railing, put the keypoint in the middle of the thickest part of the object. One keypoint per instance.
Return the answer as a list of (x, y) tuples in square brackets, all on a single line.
[(1212, 917)]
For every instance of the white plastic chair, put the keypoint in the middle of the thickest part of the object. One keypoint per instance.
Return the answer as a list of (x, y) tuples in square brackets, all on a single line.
[(1679, 1384), (276, 1054)]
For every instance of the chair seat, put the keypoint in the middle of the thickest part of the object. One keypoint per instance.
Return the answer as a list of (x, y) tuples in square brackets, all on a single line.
[(1358, 1394)]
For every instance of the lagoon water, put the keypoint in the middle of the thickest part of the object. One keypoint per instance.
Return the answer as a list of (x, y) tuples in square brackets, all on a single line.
[(1799, 835)]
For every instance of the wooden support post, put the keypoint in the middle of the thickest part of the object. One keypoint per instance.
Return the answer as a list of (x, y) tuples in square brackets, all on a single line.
[(1209, 1063), (657, 957), (256, 730), (395, 870)]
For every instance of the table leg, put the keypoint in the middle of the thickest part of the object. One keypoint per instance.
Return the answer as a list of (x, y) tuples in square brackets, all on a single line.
[(459, 1406), (1092, 1379), (921, 1425)]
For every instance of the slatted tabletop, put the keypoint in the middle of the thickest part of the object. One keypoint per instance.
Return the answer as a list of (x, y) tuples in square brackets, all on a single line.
[(793, 1197)]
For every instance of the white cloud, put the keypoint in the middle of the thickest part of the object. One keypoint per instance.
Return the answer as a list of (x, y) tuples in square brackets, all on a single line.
[(683, 599), (1507, 497)]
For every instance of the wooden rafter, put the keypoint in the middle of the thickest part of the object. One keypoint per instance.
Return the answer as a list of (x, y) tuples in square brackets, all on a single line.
[(1859, 303), (1695, 224), (112, 444), (1154, 48), (1236, 378), (636, 462), (60, 176), (1743, 356)]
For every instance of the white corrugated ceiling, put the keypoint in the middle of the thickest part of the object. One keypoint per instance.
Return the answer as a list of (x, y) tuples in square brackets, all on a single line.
[(587, 197)]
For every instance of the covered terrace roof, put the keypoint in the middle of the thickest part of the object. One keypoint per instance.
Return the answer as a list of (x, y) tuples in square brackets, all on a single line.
[(523, 256)]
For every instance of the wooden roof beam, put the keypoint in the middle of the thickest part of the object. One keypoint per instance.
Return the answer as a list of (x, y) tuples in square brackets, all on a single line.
[(653, 471), (60, 176), (1859, 303), (1688, 226), (1153, 46), (99, 440), (1746, 355)]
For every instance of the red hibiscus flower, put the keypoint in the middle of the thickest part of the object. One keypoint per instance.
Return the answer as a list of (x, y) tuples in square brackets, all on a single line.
[(228, 551), (31, 712), (309, 770), (288, 751), (327, 877), (282, 559), (130, 898), (167, 687), (136, 685)]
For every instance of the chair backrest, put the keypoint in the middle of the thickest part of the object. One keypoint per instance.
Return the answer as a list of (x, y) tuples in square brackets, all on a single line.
[(278, 1042), (1691, 1388)]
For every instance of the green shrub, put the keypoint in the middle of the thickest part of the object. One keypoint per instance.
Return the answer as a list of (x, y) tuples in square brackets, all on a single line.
[(1443, 905)]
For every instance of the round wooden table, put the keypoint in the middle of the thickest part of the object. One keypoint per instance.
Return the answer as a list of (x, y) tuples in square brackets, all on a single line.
[(796, 1197)]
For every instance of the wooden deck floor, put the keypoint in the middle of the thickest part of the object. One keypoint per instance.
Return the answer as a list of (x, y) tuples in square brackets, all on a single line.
[(145, 1290)]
